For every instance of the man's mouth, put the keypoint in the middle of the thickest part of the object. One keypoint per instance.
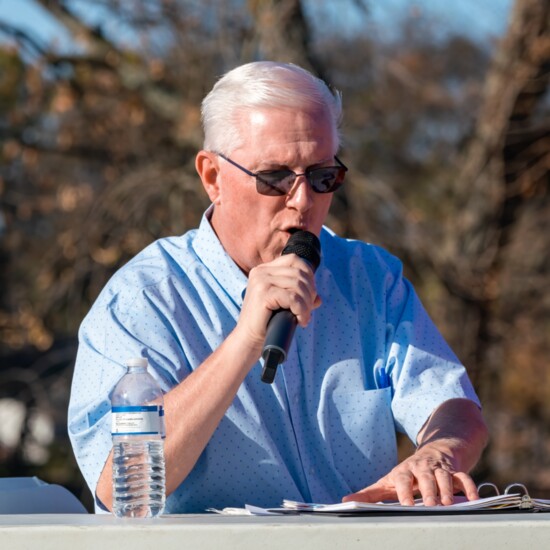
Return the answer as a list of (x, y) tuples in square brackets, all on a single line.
[(295, 228)]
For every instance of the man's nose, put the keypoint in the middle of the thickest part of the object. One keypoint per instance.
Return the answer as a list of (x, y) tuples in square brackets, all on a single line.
[(301, 194)]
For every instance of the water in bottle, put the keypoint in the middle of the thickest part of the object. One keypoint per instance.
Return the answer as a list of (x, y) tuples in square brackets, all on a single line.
[(138, 447)]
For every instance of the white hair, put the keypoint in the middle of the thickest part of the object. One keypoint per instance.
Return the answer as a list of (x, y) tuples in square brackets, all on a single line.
[(257, 85)]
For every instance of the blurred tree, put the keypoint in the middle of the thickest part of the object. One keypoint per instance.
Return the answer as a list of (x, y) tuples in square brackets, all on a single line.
[(497, 265)]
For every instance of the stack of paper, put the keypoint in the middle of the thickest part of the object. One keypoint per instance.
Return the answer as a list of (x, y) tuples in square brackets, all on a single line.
[(461, 503), (514, 501)]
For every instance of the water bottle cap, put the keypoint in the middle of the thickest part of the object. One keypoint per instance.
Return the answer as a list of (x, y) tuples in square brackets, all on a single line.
[(137, 362)]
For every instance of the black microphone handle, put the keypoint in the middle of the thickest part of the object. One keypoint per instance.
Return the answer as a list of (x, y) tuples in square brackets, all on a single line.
[(280, 330)]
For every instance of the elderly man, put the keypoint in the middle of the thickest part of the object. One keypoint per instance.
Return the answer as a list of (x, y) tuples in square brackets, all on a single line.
[(365, 360)]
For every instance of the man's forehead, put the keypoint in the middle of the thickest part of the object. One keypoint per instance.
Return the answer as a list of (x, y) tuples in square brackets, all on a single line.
[(261, 115), (276, 128)]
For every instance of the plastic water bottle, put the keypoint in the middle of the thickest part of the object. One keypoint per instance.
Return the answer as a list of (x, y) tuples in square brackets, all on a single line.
[(138, 443)]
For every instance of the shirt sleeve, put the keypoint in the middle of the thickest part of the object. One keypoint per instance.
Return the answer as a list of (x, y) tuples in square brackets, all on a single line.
[(115, 330), (94, 377), (423, 370)]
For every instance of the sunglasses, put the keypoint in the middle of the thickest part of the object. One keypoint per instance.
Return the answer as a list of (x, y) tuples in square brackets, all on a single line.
[(279, 182)]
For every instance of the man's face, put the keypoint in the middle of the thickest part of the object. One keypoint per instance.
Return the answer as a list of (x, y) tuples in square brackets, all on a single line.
[(254, 228)]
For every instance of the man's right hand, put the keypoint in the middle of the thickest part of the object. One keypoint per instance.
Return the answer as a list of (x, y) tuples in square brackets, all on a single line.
[(285, 283)]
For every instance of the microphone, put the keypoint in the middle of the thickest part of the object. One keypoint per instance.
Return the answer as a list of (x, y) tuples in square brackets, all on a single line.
[(282, 324)]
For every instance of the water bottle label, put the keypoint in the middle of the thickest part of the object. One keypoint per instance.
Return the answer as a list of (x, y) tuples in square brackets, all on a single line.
[(141, 420)]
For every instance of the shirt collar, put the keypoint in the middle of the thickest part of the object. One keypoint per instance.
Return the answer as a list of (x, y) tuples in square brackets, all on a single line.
[(212, 254)]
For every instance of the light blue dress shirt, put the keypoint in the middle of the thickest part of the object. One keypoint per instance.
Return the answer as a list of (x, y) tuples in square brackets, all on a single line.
[(370, 362)]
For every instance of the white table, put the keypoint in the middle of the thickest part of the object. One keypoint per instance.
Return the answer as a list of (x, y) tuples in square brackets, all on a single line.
[(486, 531)]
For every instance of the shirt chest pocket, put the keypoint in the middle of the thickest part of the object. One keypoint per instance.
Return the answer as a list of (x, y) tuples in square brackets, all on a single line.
[(361, 435)]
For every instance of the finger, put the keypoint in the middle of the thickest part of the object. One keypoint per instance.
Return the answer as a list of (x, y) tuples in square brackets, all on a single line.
[(290, 278), (364, 495), (292, 260), (296, 260), (404, 487), (373, 493), (284, 277), (261, 301), (265, 285), (317, 302), (300, 308), (445, 480), (282, 298), (466, 484), (428, 488)]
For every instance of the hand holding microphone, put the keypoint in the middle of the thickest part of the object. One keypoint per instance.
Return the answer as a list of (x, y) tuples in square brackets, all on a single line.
[(282, 324)]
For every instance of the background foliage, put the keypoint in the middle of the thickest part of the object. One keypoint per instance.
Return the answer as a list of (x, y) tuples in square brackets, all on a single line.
[(447, 140)]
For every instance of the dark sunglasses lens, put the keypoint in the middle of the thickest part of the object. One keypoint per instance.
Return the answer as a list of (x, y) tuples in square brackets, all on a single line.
[(326, 180), (279, 182), (274, 183)]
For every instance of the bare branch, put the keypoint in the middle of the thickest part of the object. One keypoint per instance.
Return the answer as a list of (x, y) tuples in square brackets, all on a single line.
[(24, 39)]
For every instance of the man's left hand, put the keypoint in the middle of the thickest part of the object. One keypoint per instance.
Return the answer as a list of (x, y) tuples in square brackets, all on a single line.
[(429, 472), (449, 445)]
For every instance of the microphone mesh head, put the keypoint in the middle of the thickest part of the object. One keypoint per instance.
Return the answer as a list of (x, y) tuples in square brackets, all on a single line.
[(305, 245)]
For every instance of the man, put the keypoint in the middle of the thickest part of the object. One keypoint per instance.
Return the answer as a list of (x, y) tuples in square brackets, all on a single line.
[(365, 358)]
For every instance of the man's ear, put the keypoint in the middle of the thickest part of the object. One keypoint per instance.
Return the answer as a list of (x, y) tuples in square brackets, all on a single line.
[(207, 166)]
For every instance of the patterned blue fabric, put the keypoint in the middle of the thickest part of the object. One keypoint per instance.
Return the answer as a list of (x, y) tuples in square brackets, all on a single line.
[(370, 362)]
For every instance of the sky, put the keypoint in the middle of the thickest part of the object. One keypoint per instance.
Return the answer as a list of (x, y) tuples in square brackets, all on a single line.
[(29, 16), (481, 19)]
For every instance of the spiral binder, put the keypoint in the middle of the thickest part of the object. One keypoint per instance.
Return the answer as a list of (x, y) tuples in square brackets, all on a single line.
[(520, 496)]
